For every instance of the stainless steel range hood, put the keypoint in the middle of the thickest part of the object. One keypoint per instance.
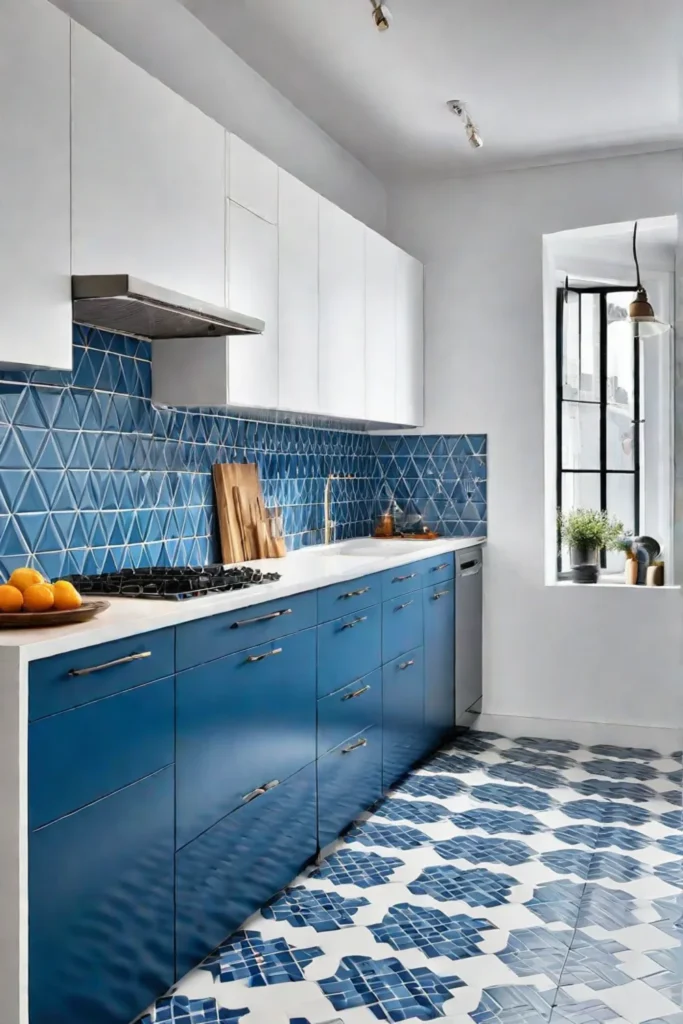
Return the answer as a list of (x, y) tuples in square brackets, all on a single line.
[(125, 305)]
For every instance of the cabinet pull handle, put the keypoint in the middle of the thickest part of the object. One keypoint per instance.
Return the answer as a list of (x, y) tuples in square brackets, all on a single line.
[(355, 746), (355, 593), (438, 568), (400, 579), (400, 607), (439, 594), (355, 622), (356, 693), (261, 618), (259, 791), (268, 654), (110, 664), (406, 664)]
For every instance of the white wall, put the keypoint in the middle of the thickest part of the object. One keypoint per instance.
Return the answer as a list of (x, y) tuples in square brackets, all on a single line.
[(584, 654), (169, 42)]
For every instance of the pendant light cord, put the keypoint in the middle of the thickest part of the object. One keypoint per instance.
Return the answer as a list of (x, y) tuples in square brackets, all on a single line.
[(635, 254)]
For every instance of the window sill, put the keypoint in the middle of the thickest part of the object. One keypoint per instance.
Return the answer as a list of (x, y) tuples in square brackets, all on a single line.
[(612, 580)]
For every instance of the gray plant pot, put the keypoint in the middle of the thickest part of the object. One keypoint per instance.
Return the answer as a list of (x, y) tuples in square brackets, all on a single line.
[(585, 563)]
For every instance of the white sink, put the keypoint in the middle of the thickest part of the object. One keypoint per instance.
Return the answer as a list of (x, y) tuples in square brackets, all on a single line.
[(370, 546)]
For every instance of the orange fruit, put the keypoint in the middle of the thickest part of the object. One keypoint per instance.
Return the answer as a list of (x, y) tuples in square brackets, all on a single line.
[(38, 598), (22, 579), (11, 599), (66, 596)]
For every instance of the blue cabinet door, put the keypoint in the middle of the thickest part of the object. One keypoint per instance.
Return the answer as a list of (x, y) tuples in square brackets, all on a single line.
[(234, 868), (83, 754), (344, 598), (401, 625), (349, 648), (349, 781), (242, 721), (350, 710), (402, 715), (439, 655), (101, 907)]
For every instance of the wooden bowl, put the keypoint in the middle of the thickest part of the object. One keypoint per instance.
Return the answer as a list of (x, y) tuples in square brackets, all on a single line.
[(38, 620)]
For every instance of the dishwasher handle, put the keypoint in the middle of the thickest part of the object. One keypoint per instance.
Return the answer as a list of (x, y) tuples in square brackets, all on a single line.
[(469, 564)]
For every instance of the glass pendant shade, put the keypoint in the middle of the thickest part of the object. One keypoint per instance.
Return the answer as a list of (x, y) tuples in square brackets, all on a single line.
[(642, 316)]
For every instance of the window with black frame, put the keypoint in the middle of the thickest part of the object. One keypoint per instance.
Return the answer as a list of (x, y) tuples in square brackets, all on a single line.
[(598, 410)]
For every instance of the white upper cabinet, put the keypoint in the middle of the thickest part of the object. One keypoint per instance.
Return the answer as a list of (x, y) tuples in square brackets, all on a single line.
[(409, 340), (342, 313), (380, 328), (253, 277), (35, 247), (252, 180), (148, 177), (298, 295)]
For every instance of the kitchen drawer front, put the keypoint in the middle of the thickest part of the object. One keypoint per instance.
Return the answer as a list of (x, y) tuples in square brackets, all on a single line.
[(349, 781), (101, 908), (242, 722), (349, 648), (343, 598), (234, 868), (402, 625), (403, 687), (441, 567), (78, 677), (78, 756), (402, 580), (218, 635), (350, 710)]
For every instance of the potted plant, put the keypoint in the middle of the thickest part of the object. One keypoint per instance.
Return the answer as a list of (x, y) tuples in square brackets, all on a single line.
[(586, 533)]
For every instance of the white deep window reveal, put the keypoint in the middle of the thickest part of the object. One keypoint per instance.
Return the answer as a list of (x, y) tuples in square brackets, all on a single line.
[(614, 412)]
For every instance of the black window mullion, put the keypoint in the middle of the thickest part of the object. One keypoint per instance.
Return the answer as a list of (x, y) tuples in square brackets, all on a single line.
[(559, 378), (603, 413)]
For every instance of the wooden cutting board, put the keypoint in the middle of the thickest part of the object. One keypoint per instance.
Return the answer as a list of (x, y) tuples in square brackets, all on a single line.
[(242, 515)]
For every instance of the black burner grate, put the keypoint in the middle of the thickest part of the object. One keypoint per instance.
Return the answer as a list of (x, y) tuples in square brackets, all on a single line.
[(171, 583)]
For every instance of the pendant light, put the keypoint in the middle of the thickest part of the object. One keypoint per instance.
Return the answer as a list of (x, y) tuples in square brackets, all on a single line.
[(640, 312)]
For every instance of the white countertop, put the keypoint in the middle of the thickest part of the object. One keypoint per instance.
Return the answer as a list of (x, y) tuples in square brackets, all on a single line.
[(307, 569)]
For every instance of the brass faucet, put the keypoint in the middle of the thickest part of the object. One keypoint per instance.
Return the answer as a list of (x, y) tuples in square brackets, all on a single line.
[(329, 525)]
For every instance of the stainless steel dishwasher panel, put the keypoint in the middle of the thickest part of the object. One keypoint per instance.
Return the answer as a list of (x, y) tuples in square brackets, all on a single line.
[(468, 629)]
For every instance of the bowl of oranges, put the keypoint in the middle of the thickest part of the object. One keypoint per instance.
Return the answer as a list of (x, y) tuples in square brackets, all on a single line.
[(28, 600)]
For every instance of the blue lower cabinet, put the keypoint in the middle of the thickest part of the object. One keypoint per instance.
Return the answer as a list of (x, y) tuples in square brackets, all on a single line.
[(83, 754), (349, 648), (101, 907), (402, 715), (242, 722), (402, 625), (349, 781), (234, 868), (350, 710), (439, 658)]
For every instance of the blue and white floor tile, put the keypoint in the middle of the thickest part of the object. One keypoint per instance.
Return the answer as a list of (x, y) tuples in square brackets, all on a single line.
[(505, 882)]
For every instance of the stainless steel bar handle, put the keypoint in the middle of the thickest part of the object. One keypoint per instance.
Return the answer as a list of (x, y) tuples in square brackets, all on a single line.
[(356, 593), (400, 579), (355, 622), (355, 746), (438, 568), (259, 791), (439, 594), (110, 664), (268, 654), (261, 618), (472, 572), (356, 693), (406, 664), (400, 607)]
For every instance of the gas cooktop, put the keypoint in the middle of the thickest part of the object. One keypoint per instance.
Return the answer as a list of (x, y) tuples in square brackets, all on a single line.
[(170, 583)]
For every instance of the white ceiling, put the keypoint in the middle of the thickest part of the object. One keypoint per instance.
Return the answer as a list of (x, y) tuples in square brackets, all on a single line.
[(545, 80)]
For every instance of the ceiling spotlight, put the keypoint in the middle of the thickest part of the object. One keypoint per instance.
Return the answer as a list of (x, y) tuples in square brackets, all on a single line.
[(474, 138), (381, 14)]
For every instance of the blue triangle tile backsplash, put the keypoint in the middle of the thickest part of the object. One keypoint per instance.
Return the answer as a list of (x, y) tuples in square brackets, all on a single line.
[(94, 477)]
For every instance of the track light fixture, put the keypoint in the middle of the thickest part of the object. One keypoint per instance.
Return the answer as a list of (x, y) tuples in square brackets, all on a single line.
[(381, 14), (474, 138)]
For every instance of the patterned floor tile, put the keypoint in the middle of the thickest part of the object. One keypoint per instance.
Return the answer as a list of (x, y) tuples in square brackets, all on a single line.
[(506, 881)]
